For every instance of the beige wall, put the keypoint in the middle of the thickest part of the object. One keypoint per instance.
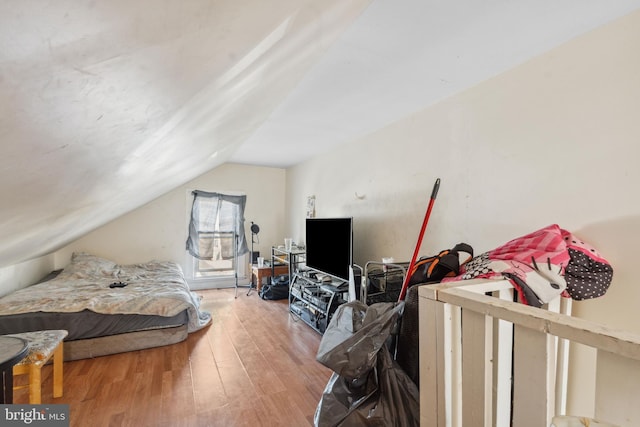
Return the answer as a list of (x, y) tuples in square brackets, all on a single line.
[(554, 140), (158, 230)]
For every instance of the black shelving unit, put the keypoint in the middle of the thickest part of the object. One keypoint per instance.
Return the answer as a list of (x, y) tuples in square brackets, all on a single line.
[(314, 300)]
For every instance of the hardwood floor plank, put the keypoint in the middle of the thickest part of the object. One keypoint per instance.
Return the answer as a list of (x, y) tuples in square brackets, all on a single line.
[(253, 366), (208, 389)]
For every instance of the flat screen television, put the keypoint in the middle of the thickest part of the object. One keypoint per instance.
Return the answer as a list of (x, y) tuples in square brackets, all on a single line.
[(329, 243)]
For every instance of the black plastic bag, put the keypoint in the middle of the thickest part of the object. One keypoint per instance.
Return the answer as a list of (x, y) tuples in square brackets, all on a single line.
[(368, 388)]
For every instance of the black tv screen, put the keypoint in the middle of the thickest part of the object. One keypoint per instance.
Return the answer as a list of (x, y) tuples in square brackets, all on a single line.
[(329, 244)]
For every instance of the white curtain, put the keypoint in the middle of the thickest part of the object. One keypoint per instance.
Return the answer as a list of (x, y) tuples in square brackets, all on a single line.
[(212, 214)]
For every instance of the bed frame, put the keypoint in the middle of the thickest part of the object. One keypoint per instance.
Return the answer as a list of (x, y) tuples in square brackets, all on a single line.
[(120, 343)]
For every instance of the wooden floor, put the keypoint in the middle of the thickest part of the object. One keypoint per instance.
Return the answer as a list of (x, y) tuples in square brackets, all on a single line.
[(253, 366)]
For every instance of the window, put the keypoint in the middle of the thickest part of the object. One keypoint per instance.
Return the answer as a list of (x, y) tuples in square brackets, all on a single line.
[(216, 241), (223, 260)]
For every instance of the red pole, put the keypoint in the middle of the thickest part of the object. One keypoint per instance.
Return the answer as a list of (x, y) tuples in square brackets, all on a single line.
[(405, 285)]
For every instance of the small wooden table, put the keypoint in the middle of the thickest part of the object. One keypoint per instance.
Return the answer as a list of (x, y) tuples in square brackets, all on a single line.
[(258, 273), (12, 350), (43, 345)]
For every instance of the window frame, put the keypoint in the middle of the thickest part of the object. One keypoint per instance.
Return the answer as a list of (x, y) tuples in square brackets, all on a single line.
[(197, 277)]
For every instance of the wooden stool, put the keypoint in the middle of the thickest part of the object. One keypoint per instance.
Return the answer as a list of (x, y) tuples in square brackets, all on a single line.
[(43, 345)]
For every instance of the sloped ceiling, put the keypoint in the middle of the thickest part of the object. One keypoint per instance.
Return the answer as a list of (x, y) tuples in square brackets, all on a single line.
[(106, 105)]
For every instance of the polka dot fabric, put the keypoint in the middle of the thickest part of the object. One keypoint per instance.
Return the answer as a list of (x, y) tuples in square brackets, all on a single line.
[(479, 266), (588, 274)]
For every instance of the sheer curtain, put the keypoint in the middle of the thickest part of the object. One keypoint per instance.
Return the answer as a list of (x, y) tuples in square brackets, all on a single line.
[(213, 215)]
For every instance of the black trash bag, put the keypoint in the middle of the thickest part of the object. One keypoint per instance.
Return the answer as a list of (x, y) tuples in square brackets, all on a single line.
[(354, 336), (277, 289), (368, 388)]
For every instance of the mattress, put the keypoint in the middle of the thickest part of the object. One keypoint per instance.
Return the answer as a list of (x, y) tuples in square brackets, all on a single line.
[(87, 324)]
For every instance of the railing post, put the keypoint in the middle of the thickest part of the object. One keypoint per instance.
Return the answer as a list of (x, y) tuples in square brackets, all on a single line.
[(476, 369), (562, 363), (533, 391), (503, 362), (432, 378), (453, 365)]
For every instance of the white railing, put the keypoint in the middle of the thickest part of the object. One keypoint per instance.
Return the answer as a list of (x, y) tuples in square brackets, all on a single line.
[(488, 361)]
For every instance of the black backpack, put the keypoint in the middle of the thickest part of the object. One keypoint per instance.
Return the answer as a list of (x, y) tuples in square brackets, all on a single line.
[(277, 289), (435, 268)]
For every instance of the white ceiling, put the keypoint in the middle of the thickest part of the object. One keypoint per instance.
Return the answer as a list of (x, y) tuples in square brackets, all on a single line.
[(107, 105)]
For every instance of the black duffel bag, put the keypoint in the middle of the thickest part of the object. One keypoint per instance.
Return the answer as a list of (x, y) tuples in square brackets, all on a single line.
[(277, 289)]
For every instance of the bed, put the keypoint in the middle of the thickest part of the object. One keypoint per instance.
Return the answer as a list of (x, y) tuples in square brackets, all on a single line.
[(107, 308)]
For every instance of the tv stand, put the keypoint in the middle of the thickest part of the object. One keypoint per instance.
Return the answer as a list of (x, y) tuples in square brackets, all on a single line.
[(314, 299)]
